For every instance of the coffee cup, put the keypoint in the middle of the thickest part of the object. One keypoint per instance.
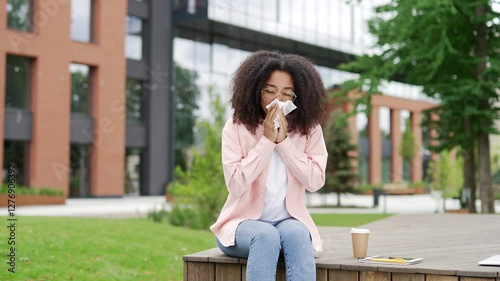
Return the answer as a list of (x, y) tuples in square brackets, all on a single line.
[(359, 242)]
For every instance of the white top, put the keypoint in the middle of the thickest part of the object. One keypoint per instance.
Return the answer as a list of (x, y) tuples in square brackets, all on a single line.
[(276, 183)]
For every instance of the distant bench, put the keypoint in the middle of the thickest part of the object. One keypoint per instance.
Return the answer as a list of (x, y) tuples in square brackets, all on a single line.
[(397, 189)]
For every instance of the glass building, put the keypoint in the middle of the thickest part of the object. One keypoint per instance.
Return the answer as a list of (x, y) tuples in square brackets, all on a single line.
[(100, 107), (213, 37)]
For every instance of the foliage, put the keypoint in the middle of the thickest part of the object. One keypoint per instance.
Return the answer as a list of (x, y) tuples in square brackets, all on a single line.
[(450, 48), (158, 215), (200, 191), (409, 146), (20, 189), (186, 97), (446, 174), (340, 173)]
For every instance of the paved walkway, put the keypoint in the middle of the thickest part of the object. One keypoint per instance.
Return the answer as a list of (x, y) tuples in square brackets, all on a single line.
[(140, 206)]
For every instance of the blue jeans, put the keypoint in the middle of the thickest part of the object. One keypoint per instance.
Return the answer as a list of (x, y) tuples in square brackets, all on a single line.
[(262, 242)]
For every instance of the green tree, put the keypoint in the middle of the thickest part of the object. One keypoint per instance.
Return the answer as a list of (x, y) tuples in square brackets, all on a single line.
[(186, 97), (201, 191), (409, 146), (340, 173), (445, 175), (450, 48)]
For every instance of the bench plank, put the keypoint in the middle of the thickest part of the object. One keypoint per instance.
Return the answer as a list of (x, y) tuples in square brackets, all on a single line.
[(200, 271), (227, 272), (337, 274)]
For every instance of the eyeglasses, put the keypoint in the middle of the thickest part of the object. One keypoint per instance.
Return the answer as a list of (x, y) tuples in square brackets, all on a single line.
[(270, 93)]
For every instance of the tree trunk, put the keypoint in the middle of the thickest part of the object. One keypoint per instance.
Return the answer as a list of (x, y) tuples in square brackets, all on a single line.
[(469, 171), (483, 140), (485, 186)]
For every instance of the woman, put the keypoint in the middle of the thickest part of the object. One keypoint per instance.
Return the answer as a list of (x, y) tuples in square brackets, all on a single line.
[(268, 167)]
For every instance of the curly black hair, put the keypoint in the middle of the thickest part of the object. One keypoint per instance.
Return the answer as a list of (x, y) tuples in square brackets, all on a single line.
[(249, 79)]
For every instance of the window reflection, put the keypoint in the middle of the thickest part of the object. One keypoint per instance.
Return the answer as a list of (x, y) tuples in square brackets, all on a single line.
[(19, 14), (18, 82), (133, 170), (80, 88), (385, 130), (15, 156), (134, 100), (82, 20), (134, 38), (80, 167), (363, 145)]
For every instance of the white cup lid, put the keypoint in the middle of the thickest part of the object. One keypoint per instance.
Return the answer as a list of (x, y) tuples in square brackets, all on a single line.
[(360, 230)]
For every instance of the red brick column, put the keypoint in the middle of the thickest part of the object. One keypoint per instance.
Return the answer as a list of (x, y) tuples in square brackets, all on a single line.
[(50, 99), (375, 138), (396, 138)]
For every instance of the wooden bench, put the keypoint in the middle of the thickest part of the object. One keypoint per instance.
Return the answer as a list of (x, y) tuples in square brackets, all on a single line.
[(397, 189), (451, 245)]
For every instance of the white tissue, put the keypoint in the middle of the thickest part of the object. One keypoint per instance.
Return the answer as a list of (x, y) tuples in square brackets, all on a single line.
[(286, 107)]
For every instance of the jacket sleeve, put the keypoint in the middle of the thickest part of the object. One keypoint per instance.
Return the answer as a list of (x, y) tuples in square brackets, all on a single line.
[(307, 166), (241, 171)]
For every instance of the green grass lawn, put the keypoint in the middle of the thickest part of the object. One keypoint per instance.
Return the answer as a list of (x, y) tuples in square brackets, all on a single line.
[(348, 220), (55, 248)]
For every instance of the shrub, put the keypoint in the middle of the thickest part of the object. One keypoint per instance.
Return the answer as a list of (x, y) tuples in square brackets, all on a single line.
[(200, 191), (20, 189)]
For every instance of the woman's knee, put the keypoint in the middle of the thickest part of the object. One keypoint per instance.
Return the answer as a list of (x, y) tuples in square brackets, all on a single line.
[(293, 228)]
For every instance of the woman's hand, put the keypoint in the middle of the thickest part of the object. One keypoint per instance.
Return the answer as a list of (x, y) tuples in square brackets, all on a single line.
[(283, 129), (269, 131)]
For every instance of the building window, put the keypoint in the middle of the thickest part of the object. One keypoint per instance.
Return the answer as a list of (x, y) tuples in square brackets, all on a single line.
[(79, 183), (385, 130), (82, 20), (134, 38), (133, 159), (134, 100), (18, 82), (15, 156), (363, 146), (81, 89), (20, 14)]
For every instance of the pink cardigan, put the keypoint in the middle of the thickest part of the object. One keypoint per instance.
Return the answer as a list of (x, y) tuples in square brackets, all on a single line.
[(245, 160)]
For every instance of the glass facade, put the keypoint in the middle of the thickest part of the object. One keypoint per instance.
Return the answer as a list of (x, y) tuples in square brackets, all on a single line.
[(82, 20), (385, 130), (337, 25), (20, 14), (18, 82), (81, 89), (134, 38), (134, 100), (133, 170), (15, 154), (80, 161), (363, 146)]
